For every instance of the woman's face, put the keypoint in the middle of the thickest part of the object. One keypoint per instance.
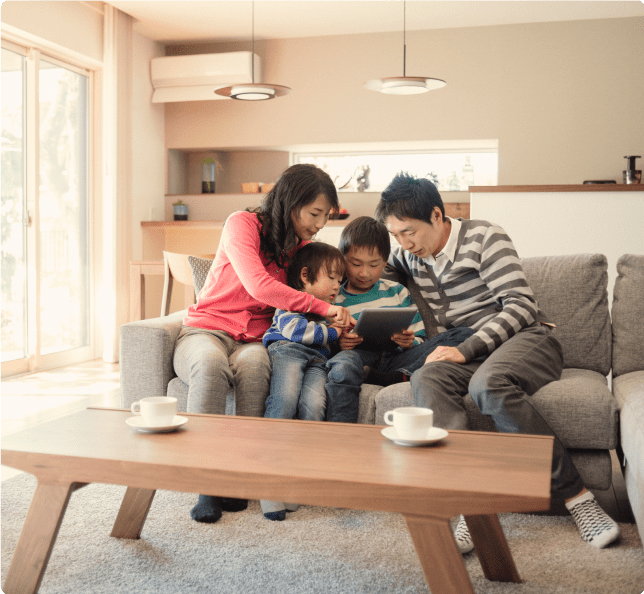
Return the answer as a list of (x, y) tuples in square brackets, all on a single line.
[(311, 217)]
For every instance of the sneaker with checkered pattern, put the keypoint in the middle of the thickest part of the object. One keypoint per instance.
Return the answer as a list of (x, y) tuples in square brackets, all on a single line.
[(462, 537), (595, 526)]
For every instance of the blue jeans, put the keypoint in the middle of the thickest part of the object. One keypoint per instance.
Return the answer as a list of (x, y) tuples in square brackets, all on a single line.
[(297, 382), (501, 387), (345, 371)]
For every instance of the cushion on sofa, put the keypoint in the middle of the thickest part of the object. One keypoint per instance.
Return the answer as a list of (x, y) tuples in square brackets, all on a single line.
[(579, 408), (571, 290), (628, 315), (200, 268), (143, 372), (367, 407)]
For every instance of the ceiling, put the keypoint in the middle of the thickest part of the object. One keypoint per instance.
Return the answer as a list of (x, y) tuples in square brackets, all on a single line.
[(177, 22)]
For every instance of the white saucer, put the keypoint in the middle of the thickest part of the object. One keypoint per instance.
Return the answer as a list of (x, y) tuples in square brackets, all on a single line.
[(140, 425), (435, 434)]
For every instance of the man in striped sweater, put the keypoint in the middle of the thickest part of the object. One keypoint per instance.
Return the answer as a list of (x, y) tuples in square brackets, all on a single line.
[(470, 276)]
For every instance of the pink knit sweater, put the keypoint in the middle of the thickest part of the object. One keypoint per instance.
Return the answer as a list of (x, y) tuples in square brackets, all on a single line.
[(242, 290)]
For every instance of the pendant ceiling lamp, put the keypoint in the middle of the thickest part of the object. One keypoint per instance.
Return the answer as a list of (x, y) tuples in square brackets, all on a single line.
[(253, 91), (404, 85)]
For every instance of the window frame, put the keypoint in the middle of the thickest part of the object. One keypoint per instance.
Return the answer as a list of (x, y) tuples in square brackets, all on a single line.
[(34, 53)]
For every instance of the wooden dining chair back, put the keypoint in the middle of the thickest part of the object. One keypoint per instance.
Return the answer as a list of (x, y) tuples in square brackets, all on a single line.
[(177, 268)]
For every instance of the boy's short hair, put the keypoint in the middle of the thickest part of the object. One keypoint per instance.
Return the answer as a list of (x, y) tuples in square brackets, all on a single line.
[(317, 257), (409, 197), (365, 232)]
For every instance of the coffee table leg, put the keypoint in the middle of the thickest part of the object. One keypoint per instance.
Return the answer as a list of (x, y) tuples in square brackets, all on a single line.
[(492, 548), (439, 555), (38, 536), (133, 512)]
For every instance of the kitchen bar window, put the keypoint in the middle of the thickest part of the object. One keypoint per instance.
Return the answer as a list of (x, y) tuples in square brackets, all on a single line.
[(451, 169)]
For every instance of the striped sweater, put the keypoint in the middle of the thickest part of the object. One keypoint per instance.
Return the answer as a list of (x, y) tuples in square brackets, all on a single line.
[(308, 329), (384, 293), (483, 287)]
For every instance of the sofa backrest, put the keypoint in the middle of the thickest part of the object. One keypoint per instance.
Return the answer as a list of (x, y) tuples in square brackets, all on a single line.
[(572, 291), (628, 315)]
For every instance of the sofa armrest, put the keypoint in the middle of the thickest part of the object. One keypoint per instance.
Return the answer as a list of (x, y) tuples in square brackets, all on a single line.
[(146, 351)]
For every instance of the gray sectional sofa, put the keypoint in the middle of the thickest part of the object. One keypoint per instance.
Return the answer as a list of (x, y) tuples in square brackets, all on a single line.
[(580, 406), (628, 375)]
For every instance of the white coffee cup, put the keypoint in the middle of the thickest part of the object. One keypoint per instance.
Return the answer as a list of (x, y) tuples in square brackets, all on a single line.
[(411, 422), (157, 411)]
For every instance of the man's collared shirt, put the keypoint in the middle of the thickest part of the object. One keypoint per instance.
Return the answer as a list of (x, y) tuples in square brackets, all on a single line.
[(448, 253)]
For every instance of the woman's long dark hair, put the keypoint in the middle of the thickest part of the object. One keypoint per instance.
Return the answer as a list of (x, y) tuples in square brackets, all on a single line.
[(298, 186)]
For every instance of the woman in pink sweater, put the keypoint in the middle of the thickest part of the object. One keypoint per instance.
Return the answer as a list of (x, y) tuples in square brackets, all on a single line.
[(220, 343)]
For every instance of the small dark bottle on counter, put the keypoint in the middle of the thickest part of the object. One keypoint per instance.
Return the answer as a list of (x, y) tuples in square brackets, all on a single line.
[(207, 176)]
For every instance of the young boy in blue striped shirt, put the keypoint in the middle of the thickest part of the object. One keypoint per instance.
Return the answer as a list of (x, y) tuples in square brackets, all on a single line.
[(366, 246), (299, 345)]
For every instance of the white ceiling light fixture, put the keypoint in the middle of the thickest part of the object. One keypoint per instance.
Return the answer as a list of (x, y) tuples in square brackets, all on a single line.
[(253, 91), (404, 85)]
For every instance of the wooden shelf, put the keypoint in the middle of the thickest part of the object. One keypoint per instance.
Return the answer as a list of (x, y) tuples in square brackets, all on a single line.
[(213, 195), (561, 188), (193, 224)]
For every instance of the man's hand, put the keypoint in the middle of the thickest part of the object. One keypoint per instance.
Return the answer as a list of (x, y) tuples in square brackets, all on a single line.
[(405, 340), (443, 353), (349, 341)]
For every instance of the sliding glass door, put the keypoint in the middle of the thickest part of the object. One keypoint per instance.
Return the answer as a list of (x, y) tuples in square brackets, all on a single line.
[(45, 212)]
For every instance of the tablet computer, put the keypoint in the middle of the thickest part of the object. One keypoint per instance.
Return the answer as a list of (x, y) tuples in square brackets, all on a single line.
[(377, 324)]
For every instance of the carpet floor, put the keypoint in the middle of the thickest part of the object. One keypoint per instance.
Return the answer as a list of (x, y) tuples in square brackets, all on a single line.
[(316, 550)]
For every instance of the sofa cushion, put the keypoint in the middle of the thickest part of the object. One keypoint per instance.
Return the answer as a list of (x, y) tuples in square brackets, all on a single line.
[(571, 290), (367, 406), (630, 387), (200, 268), (579, 407), (146, 350), (628, 315)]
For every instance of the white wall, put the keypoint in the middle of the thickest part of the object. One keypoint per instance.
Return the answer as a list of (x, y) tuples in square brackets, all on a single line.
[(562, 223), (148, 142), (565, 100), (77, 26)]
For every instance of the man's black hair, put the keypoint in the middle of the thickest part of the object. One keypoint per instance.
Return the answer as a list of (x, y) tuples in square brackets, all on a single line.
[(409, 197)]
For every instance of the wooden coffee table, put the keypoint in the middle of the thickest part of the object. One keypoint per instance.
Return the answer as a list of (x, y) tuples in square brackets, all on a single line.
[(325, 464)]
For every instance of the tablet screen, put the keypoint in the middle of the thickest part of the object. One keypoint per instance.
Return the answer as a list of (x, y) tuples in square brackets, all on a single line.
[(376, 326)]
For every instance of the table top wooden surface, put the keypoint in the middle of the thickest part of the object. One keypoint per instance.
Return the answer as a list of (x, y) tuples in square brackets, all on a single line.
[(352, 466)]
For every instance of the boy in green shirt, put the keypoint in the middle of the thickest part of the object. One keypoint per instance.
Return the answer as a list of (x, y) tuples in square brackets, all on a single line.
[(365, 245)]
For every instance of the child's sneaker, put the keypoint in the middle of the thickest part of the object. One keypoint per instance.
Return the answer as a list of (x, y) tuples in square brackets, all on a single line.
[(462, 537)]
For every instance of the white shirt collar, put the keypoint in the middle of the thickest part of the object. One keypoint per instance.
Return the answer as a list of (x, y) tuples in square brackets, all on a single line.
[(449, 251)]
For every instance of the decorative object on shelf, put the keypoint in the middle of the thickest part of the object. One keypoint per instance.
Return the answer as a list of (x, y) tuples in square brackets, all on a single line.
[(253, 91), (207, 176), (632, 175), (599, 181), (362, 177), (335, 215), (250, 188), (266, 188), (180, 211), (404, 85)]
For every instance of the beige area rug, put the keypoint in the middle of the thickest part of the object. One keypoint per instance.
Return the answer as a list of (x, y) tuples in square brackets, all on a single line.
[(316, 550)]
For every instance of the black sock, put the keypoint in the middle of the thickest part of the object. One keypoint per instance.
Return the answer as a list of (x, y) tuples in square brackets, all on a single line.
[(231, 504), (208, 509), (384, 379)]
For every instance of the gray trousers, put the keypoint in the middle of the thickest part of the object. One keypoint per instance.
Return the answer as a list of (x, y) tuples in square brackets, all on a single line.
[(501, 386), (210, 361)]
